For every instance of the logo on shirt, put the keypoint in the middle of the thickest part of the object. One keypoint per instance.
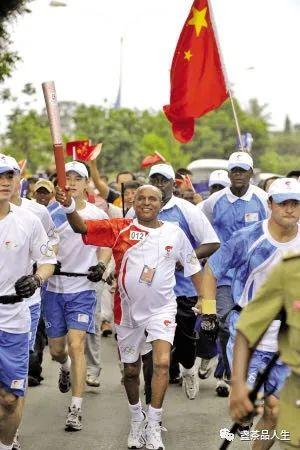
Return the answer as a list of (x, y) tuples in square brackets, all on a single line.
[(46, 250), (192, 259), (168, 249), (10, 245), (167, 323)]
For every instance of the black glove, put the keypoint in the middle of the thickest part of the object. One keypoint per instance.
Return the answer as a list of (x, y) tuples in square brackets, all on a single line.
[(57, 268), (110, 279), (96, 272), (209, 324), (26, 286)]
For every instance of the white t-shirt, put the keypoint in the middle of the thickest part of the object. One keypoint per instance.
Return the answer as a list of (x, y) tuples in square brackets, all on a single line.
[(134, 248), (43, 214), (22, 240), (75, 257)]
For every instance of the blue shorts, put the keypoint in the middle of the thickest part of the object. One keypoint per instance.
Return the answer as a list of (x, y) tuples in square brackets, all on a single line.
[(14, 359), (277, 376), (259, 361), (35, 312), (62, 312)]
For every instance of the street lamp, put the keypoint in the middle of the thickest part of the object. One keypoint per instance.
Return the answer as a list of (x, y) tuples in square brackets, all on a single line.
[(57, 3)]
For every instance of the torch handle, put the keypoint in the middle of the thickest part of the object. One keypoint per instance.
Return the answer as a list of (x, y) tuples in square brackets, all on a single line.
[(58, 151)]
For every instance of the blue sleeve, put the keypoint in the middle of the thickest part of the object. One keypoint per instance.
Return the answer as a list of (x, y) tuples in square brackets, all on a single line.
[(230, 255)]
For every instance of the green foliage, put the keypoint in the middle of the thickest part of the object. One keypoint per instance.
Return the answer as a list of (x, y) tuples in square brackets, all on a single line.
[(9, 9), (129, 135), (28, 137)]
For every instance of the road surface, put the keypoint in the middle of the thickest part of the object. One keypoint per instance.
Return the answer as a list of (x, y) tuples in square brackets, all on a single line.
[(191, 424)]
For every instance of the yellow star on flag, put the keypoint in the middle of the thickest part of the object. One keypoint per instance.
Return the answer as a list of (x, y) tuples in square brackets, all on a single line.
[(188, 55), (198, 20)]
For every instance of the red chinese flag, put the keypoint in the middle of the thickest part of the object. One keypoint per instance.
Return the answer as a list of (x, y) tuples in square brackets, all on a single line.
[(72, 147), (150, 160), (81, 150), (197, 79)]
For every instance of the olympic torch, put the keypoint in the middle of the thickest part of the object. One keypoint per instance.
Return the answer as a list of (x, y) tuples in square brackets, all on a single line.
[(54, 122)]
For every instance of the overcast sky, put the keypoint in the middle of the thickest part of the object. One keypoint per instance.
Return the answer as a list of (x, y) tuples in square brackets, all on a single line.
[(79, 47)]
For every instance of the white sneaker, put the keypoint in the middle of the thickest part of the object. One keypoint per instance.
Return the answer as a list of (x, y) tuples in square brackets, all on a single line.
[(190, 385), (136, 437), (74, 420), (153, 436), (205, 368), (92, 380)]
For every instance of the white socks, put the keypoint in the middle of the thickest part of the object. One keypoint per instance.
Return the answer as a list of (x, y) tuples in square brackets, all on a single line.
[(185, 371), (154, 414), (77, 402), (66, 366), (5, 447), (136, 412)]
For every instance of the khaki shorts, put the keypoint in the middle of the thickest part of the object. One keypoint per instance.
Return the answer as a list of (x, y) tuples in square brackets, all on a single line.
[(133, 342), (289, 413)]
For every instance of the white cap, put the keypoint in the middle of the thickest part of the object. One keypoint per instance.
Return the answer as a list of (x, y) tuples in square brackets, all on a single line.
[(13, 163), (78, 167), (240, 159), (6, 164), (163, 169), (219, 177), (284, 189)]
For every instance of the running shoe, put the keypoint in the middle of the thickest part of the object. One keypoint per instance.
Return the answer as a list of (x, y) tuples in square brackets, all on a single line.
[(205, 368), (153, 436), (190, 385), (64, 381), (222, 388), (16, 442), (136, 437), (92, 380), (74, 421)]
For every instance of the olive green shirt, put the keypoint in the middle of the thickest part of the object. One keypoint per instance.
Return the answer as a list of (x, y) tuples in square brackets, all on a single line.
[(280, 291)]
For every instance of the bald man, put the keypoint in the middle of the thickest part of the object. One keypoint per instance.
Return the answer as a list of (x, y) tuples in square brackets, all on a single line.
[(146, 251)]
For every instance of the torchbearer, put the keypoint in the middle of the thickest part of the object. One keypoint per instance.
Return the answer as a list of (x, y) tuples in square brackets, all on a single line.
[(145, 251)]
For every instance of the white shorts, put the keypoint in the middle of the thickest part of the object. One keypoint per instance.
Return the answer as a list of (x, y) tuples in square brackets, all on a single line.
[(133, 342)]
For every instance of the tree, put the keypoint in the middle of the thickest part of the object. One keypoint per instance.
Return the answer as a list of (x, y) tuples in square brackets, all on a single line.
[(128, 135), (9, 9), (28, 137)]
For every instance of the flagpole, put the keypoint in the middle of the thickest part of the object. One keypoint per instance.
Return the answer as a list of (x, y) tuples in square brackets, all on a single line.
[(227, 83), (236, 120)]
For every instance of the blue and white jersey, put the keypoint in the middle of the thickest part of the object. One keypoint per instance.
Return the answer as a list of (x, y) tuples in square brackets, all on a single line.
[(228, 213), (197, 229), (251, 253)]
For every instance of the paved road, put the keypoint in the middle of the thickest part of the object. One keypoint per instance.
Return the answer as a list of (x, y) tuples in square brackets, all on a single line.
[(191, 424)]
